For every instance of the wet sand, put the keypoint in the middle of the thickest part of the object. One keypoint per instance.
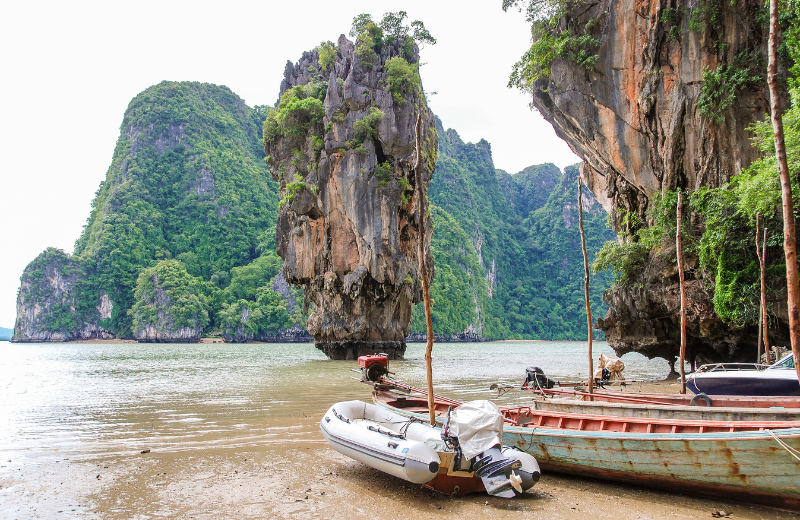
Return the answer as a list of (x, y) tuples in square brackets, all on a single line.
[(232, 434), (301, 477)]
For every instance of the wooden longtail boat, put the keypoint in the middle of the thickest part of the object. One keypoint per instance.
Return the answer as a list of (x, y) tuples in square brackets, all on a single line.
[(632, 397), (756, 462), (659, 411)]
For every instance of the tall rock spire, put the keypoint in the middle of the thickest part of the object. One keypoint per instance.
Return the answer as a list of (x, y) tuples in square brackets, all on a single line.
[(341, 145)]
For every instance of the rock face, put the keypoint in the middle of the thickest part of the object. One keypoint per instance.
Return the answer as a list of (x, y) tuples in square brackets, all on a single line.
[(51, 288), (635, 120), (347, 227)]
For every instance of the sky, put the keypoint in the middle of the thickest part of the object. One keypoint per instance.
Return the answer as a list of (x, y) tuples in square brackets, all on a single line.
[(69, 69)]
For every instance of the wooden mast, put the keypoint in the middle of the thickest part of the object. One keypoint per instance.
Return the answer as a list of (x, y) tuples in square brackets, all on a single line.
[(764, 296), (761, 300), (679, 252), (423, 270), (586, 285)]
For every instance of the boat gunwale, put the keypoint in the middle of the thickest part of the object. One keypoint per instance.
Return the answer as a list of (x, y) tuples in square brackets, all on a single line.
[(789, 433)]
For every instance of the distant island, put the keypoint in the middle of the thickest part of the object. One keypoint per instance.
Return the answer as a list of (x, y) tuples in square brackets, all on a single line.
[(5, 334), (180, 242)]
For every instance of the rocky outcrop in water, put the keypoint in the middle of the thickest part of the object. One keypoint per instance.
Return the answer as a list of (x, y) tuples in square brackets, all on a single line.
[(51, 290), (187, 182), (341, 144), (635, 119)]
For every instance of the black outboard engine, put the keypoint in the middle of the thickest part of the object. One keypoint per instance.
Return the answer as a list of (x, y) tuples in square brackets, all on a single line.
[(536, 380), (506, 472)]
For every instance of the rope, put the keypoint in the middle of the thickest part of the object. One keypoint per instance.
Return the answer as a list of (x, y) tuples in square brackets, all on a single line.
[(793, 452)]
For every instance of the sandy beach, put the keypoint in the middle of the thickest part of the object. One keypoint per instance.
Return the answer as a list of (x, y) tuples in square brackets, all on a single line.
[(232, 431), (300, 476)]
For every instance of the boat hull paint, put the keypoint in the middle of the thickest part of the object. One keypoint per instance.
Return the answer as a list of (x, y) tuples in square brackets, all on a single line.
[(740, 466), (677, 412), (745, 466), (633, 397)]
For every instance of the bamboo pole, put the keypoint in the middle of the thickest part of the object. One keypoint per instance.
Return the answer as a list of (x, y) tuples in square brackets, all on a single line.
[(586, 287), (766, 314), (761, 299), (679, 252), (789, 242), (423, 269)]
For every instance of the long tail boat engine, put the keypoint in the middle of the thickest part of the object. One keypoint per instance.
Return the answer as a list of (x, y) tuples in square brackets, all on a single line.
[(536, 380), (373, 367)]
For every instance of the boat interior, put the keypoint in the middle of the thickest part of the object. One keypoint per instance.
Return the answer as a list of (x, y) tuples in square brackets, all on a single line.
[(526, 417)]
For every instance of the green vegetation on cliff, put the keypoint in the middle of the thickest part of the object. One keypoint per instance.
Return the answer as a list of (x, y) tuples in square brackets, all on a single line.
[(181, 233), (169, 298), (186, 202), (513, 242)]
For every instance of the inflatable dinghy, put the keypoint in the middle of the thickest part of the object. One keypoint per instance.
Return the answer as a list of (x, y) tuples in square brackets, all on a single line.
[(463, 457)]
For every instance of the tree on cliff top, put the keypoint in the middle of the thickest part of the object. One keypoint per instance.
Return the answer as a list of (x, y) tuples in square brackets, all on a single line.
[(392, 28)]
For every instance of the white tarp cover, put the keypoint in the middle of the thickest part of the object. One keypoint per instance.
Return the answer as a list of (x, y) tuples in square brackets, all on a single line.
[(478, 426), (613, 365)]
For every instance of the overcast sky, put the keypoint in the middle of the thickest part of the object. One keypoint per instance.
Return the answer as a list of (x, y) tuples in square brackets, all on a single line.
[(69, 70)]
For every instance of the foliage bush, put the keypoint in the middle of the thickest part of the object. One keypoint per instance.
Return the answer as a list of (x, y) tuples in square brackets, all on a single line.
[(371, 37), (551, 41), (402, 78), (167, 295), (300, 109), (327, 55), (367, 127), (721, 85)]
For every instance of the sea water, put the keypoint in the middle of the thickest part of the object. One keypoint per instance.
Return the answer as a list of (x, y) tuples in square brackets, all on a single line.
[(78, 401)]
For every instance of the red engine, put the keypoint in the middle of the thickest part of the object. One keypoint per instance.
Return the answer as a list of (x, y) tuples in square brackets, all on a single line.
[(366, 361), (373, 367)]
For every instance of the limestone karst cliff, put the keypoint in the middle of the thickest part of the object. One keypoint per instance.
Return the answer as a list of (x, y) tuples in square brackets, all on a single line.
[(52, 303), (646, 116), (187, 183), (341, 144)]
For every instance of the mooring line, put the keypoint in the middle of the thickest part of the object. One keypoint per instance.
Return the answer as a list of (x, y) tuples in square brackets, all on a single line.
[(793, 452)]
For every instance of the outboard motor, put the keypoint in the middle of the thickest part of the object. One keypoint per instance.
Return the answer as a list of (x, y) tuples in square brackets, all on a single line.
[(475, 431), (536, 380), (506, 472)]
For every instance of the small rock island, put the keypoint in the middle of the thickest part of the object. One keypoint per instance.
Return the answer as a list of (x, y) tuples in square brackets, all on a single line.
[(341, 143)]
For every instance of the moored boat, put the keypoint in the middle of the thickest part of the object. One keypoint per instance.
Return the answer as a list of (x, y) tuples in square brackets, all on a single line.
[(471, 459), (756, 462), (634, 397), (647, 398), (665, 411), (779, 379)]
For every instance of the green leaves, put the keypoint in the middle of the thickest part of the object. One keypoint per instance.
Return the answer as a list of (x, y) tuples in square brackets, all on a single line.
[(721, 85), (167, 298), (551, 42), (299, 110), (327, 55), (402, 77)]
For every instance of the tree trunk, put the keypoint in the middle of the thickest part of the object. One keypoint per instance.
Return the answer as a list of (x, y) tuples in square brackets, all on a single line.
[(586, 285), (423, 270), (679, 252), (762, 313), (789, 245), (764, 296)]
